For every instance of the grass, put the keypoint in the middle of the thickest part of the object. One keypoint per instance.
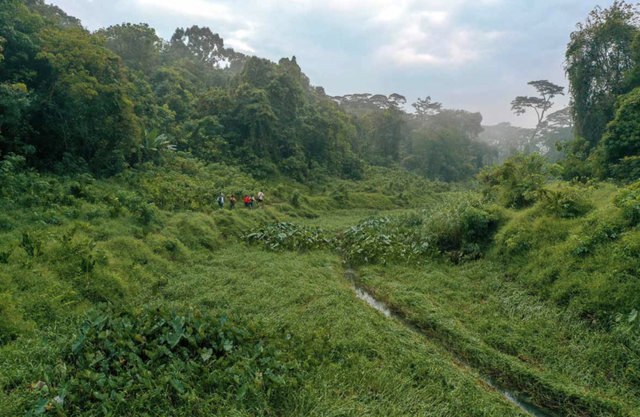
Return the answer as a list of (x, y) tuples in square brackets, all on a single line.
[(361, 363), (548, 353), (525, 306), (367, 364)]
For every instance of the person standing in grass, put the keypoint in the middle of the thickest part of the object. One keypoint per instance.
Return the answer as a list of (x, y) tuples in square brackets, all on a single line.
[(247, 201), (221, 201), (260, 199), (232, 200), (253, 202)]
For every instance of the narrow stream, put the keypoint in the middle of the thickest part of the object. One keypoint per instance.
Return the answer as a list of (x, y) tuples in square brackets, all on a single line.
[(362, 294)]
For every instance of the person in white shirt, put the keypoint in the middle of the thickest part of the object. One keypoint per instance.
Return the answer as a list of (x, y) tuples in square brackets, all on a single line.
[(260, 199)]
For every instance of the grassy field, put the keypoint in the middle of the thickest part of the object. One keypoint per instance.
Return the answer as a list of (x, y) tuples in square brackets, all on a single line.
[(548, 353), (129, 297), (361, 362)]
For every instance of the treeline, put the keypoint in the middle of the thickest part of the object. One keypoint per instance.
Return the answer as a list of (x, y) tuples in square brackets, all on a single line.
[(554, 131), (603, 67), (75, 101), (435, 142)]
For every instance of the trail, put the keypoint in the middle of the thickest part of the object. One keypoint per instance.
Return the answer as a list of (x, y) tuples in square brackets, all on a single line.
[(531, 409)]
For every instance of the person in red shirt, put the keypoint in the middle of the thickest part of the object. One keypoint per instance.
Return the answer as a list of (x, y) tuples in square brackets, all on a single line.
[(247, 201)]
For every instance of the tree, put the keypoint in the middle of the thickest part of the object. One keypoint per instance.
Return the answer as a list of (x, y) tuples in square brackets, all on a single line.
[(205, 46), (598, 56), (467, 123), (137, 44), (441, 153), (425, 108), (621, 141), (547, 91), (556, 132), (54, 13), (84, 105)]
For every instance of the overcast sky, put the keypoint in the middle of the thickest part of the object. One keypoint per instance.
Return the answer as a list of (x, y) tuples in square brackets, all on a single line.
[(475, 55)]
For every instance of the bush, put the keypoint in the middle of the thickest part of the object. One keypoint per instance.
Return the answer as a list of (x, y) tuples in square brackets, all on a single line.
[(517, 181), (565, 201), (11, 323), (628, 200), (459, 227), (153, 360)]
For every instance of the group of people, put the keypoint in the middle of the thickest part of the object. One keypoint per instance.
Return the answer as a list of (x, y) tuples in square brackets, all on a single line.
[(249, 201)]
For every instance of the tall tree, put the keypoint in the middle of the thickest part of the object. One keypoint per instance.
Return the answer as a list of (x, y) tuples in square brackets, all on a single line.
[(547, 91), (598, 56), (205, 46), (137, 44), (425, 108)]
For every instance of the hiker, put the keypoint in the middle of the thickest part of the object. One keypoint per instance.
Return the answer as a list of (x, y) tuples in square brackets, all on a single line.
[(247, 201), (232, 200), (221, 201), (260, 199), (253, 202)]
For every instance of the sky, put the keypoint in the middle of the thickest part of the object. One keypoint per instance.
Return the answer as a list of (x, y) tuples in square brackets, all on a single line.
[(475, 55)]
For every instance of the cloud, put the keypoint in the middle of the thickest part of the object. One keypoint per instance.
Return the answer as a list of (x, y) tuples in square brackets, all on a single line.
[(429, 34), (458, 51), (239, 38), (402, 32)]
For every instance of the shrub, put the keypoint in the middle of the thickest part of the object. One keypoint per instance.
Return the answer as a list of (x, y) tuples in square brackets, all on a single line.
[(517, 181), (385, 240), (11, 323), (197, 230), (295, 200), (6, 225), (460, 227), (628, 200), (566, 202), (153, 359)]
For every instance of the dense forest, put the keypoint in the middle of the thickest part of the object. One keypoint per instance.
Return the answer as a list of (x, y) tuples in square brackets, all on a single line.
[(405, 258), (100, 102)]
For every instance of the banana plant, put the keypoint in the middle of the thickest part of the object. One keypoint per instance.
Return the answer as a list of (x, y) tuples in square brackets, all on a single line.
[(153, 144)]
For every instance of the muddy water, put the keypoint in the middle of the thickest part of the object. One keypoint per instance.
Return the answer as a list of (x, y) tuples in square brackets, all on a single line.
[(362, 294)]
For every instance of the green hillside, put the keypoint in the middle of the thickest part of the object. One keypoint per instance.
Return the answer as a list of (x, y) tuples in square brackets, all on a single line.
[(393, 268)]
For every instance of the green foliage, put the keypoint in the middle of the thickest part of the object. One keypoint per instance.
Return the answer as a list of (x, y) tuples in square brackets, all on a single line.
[(31, 244), (621, 142), (290, 236), (295, 199), (628, 200), (151, 359), (581, 261), (459, 228), (565, 201), (517, 181), (137, 45), (598, 54), (384, 240)]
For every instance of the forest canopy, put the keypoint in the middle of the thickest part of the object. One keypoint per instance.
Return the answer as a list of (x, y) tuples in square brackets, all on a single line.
[(75, 100)]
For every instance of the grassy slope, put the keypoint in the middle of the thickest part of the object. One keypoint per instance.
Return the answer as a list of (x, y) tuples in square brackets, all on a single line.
[(545, 351), (494, 313), (370, 365), (366, 364)]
